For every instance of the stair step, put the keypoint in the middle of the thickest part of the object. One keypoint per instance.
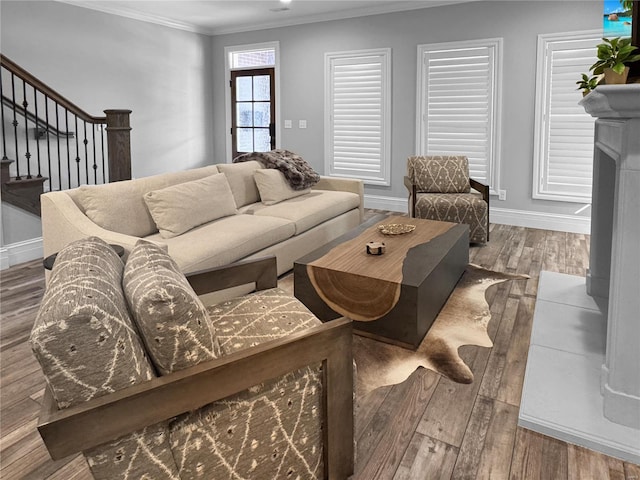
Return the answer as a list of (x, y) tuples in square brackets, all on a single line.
[(24, 182)]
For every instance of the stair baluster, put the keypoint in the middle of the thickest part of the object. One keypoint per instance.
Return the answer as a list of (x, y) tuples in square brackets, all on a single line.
[(4, 137), (25, 105), (35, 106), (46, 113), (15, 124)]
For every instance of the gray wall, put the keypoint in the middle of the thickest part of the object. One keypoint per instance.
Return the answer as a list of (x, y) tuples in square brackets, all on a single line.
[(165, 76), (302, 78), (101, 61)]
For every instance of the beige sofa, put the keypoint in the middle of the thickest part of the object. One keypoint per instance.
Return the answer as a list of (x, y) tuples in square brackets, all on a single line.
[(117, 213)]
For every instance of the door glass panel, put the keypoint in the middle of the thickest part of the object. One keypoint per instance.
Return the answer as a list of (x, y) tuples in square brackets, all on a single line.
[(245, 140), (262, 87), (262, 140), (245, 114), (243, 89), (261, 114)]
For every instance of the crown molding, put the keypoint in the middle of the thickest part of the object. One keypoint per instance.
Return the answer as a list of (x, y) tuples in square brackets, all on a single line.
[(136, 15), (373, 9)]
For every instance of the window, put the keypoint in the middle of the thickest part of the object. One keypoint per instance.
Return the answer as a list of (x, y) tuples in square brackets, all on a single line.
[(563, 149), (252, 100), (357, 115), (459, 92), (252, 107)]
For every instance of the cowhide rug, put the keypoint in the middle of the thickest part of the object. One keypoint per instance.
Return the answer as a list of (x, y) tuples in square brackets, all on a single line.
[(462, 321)]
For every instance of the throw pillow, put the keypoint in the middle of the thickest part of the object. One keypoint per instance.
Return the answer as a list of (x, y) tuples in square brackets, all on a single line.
[(172, 320), (127, 212), (273, 186), (182, 207), (83, 335), (240, 177)]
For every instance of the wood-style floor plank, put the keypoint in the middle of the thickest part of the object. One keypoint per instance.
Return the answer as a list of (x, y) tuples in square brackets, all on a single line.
[(425, 428), (396, 432), (427, 458)]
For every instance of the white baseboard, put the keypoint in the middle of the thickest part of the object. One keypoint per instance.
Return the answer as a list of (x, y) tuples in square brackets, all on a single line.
[(392, 204), (20, 252), (504, 216), (4, 258), (543, 221)]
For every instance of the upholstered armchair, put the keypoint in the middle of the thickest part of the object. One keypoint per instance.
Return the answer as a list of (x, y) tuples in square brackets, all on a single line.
[(147, 382), (440, 189)]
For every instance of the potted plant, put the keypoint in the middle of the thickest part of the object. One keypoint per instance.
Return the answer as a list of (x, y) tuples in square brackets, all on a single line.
[(613, 56), (587, 83)]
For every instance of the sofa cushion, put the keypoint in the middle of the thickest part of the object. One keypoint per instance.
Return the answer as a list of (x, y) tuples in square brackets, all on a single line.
[(87, 346), (243, 185), (172, 320), (184, 206), (120, 207), (273, 186), (272, 427), (225, 240), (466, 208), (440, 173), (309, 210)]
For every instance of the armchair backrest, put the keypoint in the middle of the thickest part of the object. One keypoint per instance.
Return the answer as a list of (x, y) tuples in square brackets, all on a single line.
[(439, 173)]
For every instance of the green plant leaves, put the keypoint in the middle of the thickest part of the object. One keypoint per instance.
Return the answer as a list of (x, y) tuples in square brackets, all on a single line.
[(614, 53)]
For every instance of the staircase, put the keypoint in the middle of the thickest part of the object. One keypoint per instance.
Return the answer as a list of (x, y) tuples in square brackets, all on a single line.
[(49, 143)]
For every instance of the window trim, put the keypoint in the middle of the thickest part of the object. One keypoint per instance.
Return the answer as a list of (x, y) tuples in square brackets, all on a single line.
[(494, 170), (227, 91), (385, 165), (542, 74)]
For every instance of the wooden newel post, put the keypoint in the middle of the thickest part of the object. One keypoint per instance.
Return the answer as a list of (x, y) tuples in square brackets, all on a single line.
[(119, 144)]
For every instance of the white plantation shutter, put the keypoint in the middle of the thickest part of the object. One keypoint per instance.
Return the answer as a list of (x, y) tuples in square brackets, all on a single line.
[(459, 90), (563, 155), (357, 134)]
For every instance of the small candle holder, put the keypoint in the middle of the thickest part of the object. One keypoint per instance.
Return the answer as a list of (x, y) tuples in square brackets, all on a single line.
[(376, 248)]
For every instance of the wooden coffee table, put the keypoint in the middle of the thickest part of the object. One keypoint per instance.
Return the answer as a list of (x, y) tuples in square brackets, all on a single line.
[(394, 297)]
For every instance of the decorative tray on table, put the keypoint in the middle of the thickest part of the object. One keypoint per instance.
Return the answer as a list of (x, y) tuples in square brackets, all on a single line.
[(396, 228)]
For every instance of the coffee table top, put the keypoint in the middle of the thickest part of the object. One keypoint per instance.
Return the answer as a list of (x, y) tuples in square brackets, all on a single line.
[(351, 256)]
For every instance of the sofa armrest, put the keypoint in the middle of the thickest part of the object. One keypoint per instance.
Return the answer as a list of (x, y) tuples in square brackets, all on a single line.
[(103, 419), (63, 222), (261, 271), (352, 185)]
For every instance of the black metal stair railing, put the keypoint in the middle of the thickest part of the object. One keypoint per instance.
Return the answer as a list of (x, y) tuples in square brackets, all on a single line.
[(71, 156)]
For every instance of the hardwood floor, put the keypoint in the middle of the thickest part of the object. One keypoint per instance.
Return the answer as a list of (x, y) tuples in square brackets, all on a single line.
[(425, 428)]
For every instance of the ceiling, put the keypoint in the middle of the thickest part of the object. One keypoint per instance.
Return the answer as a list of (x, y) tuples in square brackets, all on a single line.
[(215, 17)]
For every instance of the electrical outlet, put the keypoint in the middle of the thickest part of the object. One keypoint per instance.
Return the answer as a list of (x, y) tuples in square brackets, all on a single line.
[(502, 195), (287, 124), (302, 124)]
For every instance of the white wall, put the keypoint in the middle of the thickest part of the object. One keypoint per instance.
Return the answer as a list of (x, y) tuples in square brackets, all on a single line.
[(518, 22), (101, 61)]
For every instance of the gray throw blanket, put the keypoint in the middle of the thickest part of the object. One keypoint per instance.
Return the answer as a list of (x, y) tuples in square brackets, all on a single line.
[(296, 170)]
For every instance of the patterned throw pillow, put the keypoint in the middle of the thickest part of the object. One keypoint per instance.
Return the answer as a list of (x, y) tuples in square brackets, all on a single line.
[(88, 347), (172, 320), (83, 335), (439, 174)]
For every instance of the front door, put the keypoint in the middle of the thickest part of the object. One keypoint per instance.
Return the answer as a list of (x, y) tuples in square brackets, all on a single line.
[(253, 110)]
